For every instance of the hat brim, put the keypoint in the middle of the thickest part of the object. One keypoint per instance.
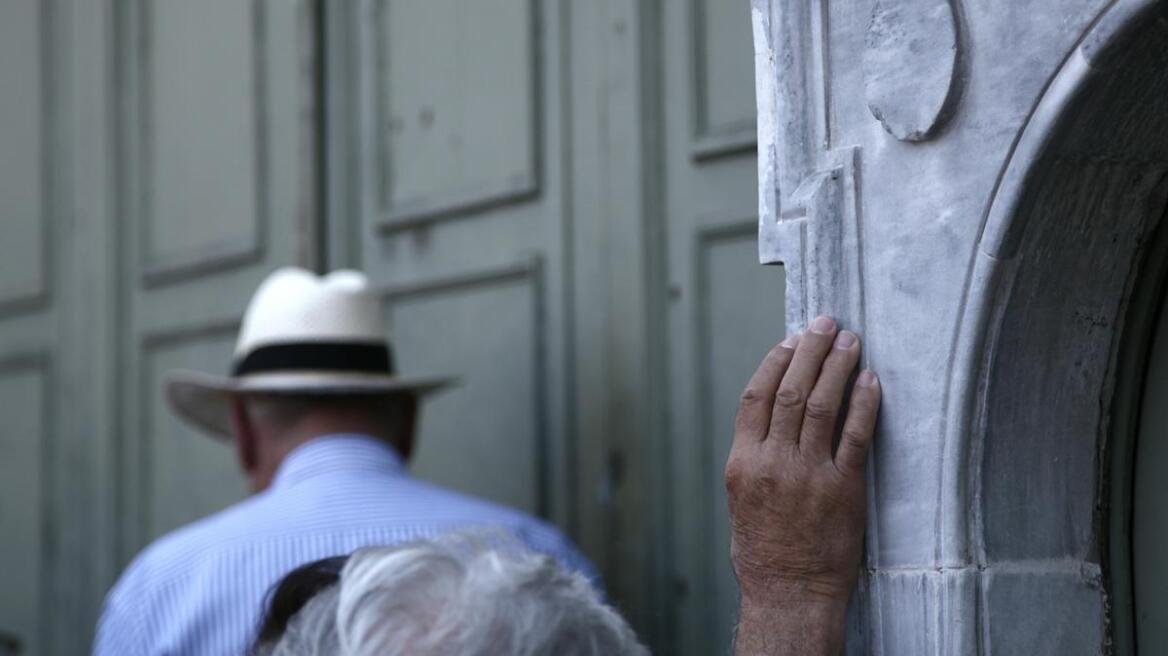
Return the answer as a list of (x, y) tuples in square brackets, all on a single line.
[(203, 400)]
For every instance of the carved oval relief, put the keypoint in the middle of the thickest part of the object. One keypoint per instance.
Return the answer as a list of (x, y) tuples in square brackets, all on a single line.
[(910, 66)]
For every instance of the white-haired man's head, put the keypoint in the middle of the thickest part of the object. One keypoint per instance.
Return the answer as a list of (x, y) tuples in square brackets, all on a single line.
[(464, 595)]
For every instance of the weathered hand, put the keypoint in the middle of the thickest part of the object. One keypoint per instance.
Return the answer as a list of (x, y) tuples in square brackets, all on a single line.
[(797, 511)]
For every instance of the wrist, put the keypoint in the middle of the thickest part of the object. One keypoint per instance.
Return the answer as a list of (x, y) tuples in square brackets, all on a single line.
[(801, 592), (783, 622)]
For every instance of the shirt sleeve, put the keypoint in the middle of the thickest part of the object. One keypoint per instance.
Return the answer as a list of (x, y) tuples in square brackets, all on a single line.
[(571, 558), (548, 540)]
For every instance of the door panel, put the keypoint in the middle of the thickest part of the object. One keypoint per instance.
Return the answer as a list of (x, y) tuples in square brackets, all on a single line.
[(220, 143), (157, 159), (545, 175), (186, 474), (199, 135), (27, 516), (201, 65), (486, 436), (24, 513), (456, 83), (493, 184), (723, 88), (457, 225), (742, 317), (23, 264)]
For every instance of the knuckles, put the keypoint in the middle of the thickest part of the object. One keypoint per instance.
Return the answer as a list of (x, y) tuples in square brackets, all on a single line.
[(757, 479), (750, 478), (820, 411), (736, 475), (853, 438), (748, 470), (789, 397), (778, 353), (751, 396)]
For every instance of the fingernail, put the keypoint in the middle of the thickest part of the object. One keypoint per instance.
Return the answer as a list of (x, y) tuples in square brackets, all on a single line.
[(791, 342), (866, 379), (845, 340), (823, 324)]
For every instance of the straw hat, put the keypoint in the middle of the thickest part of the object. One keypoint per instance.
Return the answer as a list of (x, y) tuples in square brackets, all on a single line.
[(302, 334)]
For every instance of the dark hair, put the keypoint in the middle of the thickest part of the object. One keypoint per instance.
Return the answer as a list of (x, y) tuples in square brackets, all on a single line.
[(291, 593)]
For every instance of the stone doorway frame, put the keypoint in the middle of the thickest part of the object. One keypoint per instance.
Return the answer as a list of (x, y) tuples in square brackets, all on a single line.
[(1045, 318), (1146, 310)]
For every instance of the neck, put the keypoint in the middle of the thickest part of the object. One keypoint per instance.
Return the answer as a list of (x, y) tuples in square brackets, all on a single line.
[(275, 449)]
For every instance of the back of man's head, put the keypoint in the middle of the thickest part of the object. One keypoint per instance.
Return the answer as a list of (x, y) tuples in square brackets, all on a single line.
[(459, 596), (390, 417), (268, 426)]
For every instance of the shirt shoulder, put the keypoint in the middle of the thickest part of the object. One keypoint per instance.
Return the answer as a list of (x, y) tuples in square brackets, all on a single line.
[(142, 603), (346, 512), (171, 554), (444, 504), (537, 534)]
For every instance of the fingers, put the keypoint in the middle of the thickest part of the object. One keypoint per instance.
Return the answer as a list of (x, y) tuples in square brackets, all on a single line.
[(821, 415), (790, 400), (754, 409), (852, 454)]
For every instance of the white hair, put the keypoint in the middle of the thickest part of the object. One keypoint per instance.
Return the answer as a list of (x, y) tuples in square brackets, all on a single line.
[(465, 595)]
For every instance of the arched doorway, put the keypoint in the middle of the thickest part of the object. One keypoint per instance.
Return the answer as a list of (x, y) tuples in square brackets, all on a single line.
[(1138, 455), (1067, 244), (1145, 616)]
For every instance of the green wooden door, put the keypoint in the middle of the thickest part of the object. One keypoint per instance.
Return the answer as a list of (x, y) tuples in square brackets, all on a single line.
[(460, 227), (486, 173), (558, 200), (157, 158), (26, 310), (219, 190), (727, 310)]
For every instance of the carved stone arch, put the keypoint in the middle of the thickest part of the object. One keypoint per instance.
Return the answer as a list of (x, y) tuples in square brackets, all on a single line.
[(1063, 245)]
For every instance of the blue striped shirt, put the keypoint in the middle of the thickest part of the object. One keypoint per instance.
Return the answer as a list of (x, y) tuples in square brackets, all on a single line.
[(200, 589)]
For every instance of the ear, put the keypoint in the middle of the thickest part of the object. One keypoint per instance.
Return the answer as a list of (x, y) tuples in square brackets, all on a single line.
[(246, 440)]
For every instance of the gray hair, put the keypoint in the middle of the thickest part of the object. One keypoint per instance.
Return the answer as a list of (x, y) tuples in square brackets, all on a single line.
[(280, 412), (465, 595)]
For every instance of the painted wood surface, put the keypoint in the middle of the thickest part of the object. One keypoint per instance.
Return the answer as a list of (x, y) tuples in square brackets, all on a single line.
[(559, 208), (158, 160), (555, 199), (725, 310)]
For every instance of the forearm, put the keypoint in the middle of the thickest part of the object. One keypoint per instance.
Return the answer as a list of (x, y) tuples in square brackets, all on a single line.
[(790, 628)]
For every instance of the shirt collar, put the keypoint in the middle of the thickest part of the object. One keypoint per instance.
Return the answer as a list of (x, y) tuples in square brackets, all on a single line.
[(337, 453)]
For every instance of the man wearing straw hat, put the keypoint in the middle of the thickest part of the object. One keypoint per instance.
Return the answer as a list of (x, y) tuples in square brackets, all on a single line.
[(322, 426)]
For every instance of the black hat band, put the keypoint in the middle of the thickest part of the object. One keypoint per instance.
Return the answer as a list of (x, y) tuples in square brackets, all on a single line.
[(317, 356)]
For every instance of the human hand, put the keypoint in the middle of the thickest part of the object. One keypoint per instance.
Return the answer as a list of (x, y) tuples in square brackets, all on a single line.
[(797, 511)]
